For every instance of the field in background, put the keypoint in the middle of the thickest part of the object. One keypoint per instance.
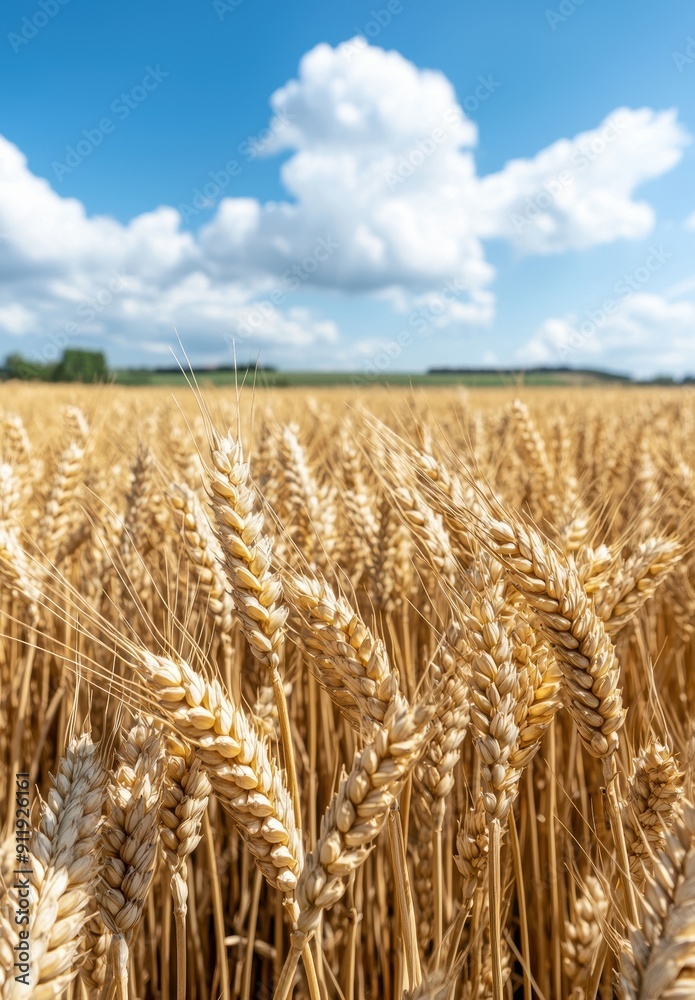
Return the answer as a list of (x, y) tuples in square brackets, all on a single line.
[(286, 379), (404, 712)]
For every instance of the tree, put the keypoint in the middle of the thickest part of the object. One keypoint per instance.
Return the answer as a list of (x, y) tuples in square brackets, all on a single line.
[(18, 367), (81, 366)]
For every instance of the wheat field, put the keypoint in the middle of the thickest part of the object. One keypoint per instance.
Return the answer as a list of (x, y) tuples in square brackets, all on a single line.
[(363, 694)]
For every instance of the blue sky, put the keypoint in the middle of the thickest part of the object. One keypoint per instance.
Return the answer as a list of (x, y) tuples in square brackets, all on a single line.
[(457, 226)]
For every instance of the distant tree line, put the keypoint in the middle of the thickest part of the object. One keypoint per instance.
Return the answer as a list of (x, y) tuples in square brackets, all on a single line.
[(76, 365)]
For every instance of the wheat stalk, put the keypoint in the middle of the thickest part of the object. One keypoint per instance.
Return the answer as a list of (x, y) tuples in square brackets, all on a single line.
[(356, 815)]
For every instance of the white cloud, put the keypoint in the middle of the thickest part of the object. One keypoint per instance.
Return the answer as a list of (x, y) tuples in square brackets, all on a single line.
[(385, 200), (377, 100), (655, 333), (16, 319), (579, 192), (690, 222)]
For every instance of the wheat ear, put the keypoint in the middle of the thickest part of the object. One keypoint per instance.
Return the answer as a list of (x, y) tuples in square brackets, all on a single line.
[(129, 841), (55, 523), (19, 575), (256, 590), (536, 455), (18, 448), (184, 801), (299, 493), (434, 777), (566, 617), (242, 772), (493, 686), (95, 952), (583, 934), (203, 551), (354, 667), (636, 581), (10, 495), (658, 960), (428, 531), (651, 807), (538, 692), (64, 866)]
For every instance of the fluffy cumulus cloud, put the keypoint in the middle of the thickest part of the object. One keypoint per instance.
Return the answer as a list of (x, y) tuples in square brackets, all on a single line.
[(384, 200), (579, 192), (656, 333)]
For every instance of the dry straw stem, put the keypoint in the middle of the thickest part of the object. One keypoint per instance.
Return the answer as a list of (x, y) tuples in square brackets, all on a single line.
[(353, 666), (356, 815), (64, 865), (658, 960), (654, 792), (129, 840)]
